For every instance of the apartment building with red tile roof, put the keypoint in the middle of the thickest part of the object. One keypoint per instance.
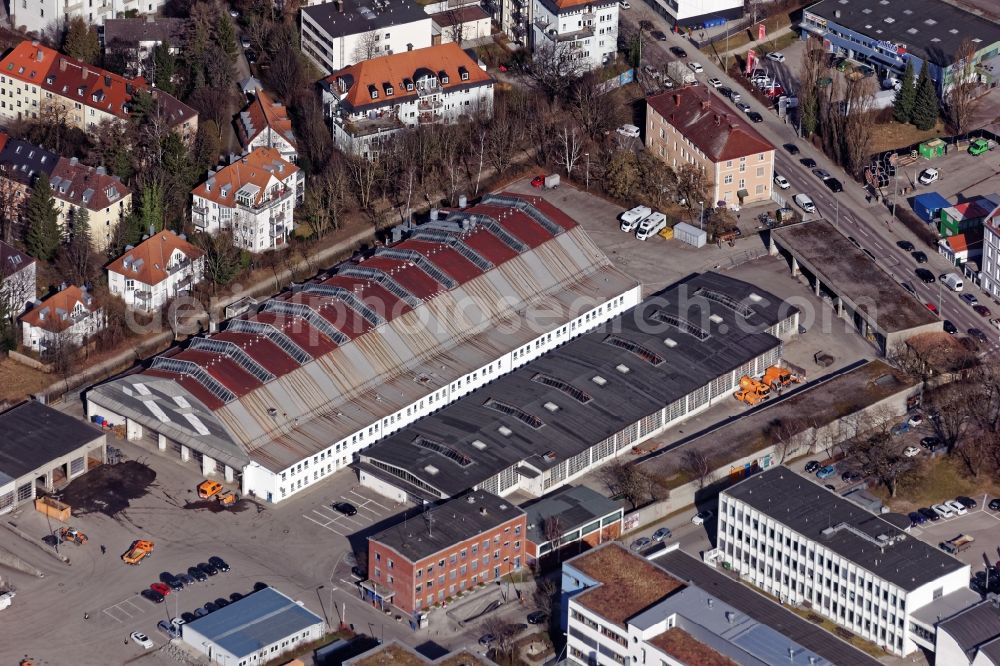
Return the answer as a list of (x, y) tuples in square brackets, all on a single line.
[(265, 123), (692, 125), (159, 268), (254, 197), (36, 80), (373, 99), (70, 316)]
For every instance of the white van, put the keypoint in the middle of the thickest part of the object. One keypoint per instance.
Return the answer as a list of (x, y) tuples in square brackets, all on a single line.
[(632, 218), (651, 225), (804, 202), (952, 281)]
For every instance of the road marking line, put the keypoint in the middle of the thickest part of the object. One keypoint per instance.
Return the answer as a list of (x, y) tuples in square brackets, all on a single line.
[(324, 525), (328, 518), (369, 500)]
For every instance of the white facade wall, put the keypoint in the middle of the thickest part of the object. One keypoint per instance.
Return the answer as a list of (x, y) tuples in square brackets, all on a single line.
[(126, 287), (333, 53), (796, 569), (259, 229), (595, 32), (39, 339), (682, 10), (265, 654), (37, 15), (339, 455), (18, 100), (17, 289), (989, 275), (271, 139)]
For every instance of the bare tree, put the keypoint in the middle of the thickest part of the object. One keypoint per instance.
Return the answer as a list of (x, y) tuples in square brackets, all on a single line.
[(367, 47), (857, 123), (597, 112), (876, 451), (693, 185), (457, 30), (960, 97), (554, 67), (697, 465), (502, 631), (365, 173), (545, 595), (629, 481), (10, 210), (784, 432), (570, 148)]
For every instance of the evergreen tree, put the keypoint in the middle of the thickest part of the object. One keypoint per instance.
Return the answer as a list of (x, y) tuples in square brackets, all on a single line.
[(925, 105), (164, 65), (42, 218), (902, 106), (78, 253), (81, 41), (151, 209)]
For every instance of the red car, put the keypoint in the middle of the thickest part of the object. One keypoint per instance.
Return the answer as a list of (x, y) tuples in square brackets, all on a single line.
[(982, 310), (538, 181), (931, 307), (502, 68), (775, 93), (162, 588)]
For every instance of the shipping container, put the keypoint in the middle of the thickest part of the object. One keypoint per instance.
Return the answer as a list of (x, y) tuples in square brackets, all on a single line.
[(691, 235)]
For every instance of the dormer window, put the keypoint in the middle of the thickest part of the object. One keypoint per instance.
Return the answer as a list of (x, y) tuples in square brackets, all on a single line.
[(443, 77), (463, 73), (80, 90), (373, 91), (409, 85), (388, 89)]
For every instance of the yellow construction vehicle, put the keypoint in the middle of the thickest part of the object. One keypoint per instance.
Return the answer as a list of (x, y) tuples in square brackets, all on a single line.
[(209, 489), (751, 391), (776, 377), (138, 551), (228, 499), (72, 534)]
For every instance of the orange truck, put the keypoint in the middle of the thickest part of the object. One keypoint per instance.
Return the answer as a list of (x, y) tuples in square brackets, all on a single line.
[(778, 377), (209, 489), (751, 391), (140, 550), (72, 534)]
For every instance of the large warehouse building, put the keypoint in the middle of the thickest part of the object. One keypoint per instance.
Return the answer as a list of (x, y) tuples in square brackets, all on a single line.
[(561, 415), (288, 394)]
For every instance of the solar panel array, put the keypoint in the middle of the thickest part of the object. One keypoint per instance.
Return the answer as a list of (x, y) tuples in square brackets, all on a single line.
[(195, 372), (420, 261), (308, 314), (437, 447), (455, 243), (646, 354), (234, 352), (736, 306), (558, 384), (526, 208), (383, 279), (271, 333), (681, 324), (524, 417), (348, 297)]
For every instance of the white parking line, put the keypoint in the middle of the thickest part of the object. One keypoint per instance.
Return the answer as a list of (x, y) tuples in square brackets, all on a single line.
[(326, 523), (120, 607), (369, 501)]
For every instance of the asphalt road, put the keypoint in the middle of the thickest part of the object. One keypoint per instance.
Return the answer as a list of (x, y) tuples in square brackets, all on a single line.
[(867, 222)]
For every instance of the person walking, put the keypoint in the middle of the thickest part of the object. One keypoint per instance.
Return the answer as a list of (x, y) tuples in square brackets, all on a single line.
[(104, 550)]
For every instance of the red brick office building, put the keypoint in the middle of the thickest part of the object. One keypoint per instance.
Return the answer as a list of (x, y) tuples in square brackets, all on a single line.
[(448, 549)]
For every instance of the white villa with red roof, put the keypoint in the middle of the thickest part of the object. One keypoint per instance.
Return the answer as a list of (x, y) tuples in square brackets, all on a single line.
[(156, 270), (71, 317), (264, 123), (588, 29), (370, 101), (254, 197)]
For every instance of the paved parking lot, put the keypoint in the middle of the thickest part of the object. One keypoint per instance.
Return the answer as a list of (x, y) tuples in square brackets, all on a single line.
[(980, 523), (371, 509)]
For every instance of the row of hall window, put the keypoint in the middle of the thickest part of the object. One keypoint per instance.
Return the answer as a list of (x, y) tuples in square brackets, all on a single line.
[(263, 657)]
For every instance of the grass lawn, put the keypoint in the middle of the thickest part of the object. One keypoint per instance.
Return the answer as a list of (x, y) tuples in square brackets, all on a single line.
[(895, 135), (773, 23), (941, 478)]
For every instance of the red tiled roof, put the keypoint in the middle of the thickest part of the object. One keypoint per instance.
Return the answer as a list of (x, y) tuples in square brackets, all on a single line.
[(962, 242), (264, 112), (448, 260), (147, 261), (53, 314), (255, 168), (85, 186), (709, 123), (357, 81), (262, 350)]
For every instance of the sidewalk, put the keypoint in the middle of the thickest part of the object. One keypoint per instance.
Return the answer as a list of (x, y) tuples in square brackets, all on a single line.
[(757, 42)]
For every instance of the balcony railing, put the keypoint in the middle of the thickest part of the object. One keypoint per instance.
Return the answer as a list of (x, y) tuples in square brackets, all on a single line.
[(283, 195), (430, 104)]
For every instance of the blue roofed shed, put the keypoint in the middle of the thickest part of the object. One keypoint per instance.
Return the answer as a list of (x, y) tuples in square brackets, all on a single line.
[(246, 631), (928, 206)]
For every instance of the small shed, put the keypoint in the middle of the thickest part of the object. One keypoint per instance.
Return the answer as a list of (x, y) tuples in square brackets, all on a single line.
[(931, 149), (928, 206), (686, 233)]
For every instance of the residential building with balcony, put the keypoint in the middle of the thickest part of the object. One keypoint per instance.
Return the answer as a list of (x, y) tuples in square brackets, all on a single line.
[(159, 268), (587, 29), (68, 317), (39, 82), (369, 102), (444, 551), (692, 125), (807, 546), (265, 123), (621, 609), (254, 197), (513, 17), (341, 33), (989, 275), (17, 279), (131, 41), (34, 16)]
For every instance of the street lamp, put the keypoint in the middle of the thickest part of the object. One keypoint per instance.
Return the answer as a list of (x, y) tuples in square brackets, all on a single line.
[(701, 216), (587, 155)]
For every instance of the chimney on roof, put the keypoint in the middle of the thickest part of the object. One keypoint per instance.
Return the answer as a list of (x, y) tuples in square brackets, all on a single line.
[(705, 104), (482, 510), (718, 120), (62, 64), (40, 55), (677, 99), (86, 71)]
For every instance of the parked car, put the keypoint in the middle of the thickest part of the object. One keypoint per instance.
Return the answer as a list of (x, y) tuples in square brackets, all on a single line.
[(928, 442), (162, 588), (929, 514), (218, 563), (345, 508), (781, 181), (197, 574), (911, 451), (152, 595), (167, 628), (957, 507), (200, 612), (630, 219), (834, 185), (141, 639), (908, 287), (900, 429), (743, 106), (235, 596), (969, 298), (630, 131), (188, 617), (791, 148), (949, 327), (916, 518), (805, 202), (916, 419), (967, 502), (925, 276), (538, 617), (826, 472), (208, 568), (245, 43), (928, 176), (658, 36), (210, 607), (662, 533), (982, 310), (702, 517), (979, 146), (812, 466), (755, 117), (994, 504), (640, 543), (905, 245), (822, 174), (186, 579), (696, 68), (919, 257), (776, 57), (715, 83), (851, 476), (678, 51), (726, 91), (538, 181), (221, 602), (487, 639), (359, 572), (808, 162), (943, 510)]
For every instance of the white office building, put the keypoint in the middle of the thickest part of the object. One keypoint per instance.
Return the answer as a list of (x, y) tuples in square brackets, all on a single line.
[(587, 29), (807, 546), (34, 16)]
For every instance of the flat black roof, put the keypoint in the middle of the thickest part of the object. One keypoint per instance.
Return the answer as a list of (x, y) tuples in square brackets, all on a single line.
[(350, 17), (581, 393), (845, 528), (32, 434), (573, 506), (930, 29), (745, 599), (973, 626), (442, 526)]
